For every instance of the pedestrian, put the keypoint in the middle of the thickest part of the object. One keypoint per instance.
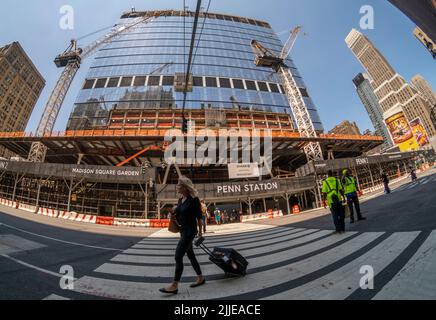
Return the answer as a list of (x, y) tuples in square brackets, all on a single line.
[(351, 189), (218, 216), (332, 191), (385, 179), (413, 174), (189, 217), (205, 214)]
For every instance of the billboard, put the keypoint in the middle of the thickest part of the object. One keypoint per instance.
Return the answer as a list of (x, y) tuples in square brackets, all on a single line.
[(401, 132), (419, 132)]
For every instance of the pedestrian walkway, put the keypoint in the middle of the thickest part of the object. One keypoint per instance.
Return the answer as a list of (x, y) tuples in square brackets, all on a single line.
[(419, 182), (284, 263)]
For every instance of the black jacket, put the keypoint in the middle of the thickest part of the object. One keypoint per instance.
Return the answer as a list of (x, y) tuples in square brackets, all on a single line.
[(188, 214)]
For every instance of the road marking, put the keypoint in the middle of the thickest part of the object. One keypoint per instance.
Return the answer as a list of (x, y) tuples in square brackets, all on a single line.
[(243, 245), (11, 244), (31, 266), (417, 279), (339, 284), (56, 297), (221, 288), (58, 240)]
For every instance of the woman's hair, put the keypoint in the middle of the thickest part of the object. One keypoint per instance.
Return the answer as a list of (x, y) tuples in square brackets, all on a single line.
[(188, 184)]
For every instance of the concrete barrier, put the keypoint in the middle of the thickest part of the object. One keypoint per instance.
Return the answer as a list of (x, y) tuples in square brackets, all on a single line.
[(144, 223), (262, 216)]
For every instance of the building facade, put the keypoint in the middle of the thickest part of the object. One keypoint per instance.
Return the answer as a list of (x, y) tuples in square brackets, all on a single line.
[(420, 84), (135, 75), (400, 103), (20, 87), (370, 101), (421, 12), (346, 128)]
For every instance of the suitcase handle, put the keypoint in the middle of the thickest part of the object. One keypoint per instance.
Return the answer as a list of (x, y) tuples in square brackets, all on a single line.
[(199, 241), (199, 244)]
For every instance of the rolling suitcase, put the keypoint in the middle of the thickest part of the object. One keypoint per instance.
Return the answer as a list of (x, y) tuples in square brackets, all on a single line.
[(229, 260)]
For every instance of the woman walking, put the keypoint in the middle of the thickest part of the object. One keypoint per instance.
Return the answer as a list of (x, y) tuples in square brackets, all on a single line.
[(189, 216)]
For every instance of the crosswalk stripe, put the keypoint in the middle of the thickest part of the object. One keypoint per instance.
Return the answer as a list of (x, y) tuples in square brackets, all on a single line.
[(339, 284), (214, 238), (232, 242), (225, 288), (426, 180), (249, 250), (261, 261), (169, 251), (417, 279), (55, 297)]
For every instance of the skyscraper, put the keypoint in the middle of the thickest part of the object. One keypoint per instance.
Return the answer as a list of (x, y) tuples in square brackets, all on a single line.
[(420, 84), (134, 77), (399, 102), (346, 128), (20, 87), (370, 101)]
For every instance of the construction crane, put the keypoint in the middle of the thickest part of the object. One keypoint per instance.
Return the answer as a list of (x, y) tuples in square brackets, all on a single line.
[(265, 58), (161, 68), (71, 60)]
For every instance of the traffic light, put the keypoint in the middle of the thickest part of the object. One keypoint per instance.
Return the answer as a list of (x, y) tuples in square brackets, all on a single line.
[(184, 125)]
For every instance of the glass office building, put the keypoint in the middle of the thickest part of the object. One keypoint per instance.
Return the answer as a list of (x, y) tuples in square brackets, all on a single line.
[(137, 70)]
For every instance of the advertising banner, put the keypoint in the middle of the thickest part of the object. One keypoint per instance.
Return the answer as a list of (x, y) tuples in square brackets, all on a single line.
[(401, 132), (419, 132)]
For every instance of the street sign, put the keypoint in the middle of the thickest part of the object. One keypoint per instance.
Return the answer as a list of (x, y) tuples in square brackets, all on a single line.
[(243, 170)]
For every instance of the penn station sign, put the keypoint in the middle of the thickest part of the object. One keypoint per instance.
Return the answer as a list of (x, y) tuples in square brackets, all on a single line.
[(248, 188)]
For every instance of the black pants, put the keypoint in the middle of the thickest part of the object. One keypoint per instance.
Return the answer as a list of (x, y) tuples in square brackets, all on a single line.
[(387, 189), (353, 201), (338, 214), (185, 247)]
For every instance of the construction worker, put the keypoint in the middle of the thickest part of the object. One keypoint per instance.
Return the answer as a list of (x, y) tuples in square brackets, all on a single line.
[(351, 193), (332, 196)]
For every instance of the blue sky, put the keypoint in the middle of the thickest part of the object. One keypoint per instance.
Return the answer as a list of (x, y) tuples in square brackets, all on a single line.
[(322, 56)]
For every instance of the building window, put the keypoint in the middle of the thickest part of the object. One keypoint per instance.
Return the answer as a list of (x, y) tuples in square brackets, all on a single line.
[(225, 83), (262, 86), (168, 81), (113, 82), (304, 92), (153, 81), (101, 83), (251, 85), (274, 87), (198, 82), (211, 82), (238, 84), (126, 81), (140, 81)]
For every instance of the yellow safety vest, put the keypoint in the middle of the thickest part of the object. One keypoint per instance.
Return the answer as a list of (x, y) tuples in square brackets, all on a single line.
[(332, 187), (349, 185)]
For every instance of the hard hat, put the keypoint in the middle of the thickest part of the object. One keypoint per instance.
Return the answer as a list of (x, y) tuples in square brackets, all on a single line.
[(345, 171)]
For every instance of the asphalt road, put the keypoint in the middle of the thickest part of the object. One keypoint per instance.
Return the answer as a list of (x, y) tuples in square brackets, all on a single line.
[(57, 247), (308, 261), (410, 207)]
